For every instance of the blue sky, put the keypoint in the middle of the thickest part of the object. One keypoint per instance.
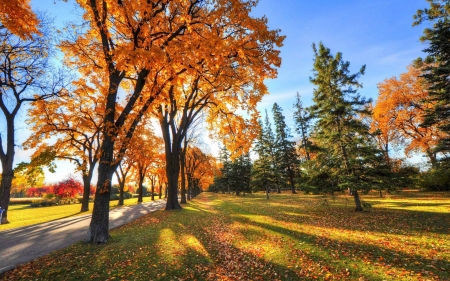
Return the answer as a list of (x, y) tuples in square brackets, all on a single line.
[(377, 33)]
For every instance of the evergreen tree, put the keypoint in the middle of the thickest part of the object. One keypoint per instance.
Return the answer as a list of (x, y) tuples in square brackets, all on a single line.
[(348, 157), (224, 183), (262, 170), (274, 172), (286, 156), (437, 69), (302, 120)]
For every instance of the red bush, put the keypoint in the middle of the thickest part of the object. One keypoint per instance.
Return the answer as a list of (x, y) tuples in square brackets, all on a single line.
[(68, 188), (39, 191)]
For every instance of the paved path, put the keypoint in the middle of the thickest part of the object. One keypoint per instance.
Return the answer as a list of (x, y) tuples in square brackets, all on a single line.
[(20, 245)]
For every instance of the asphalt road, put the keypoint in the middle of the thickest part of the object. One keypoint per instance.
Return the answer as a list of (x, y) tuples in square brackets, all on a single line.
[(20, 245)]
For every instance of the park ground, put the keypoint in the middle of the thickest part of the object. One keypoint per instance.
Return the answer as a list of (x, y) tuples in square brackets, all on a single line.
[(403, 236)]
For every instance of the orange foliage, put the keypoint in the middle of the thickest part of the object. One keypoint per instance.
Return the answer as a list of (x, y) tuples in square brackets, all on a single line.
[(399, 113), (17, 17)]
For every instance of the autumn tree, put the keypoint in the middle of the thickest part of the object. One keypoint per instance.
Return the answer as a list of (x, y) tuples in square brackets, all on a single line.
[(144, 48), (227, 77), (26, 75), (436, 71), (130, 44), (348, 156), (75, 121), (145, 150), (19, 19), (399, 112)]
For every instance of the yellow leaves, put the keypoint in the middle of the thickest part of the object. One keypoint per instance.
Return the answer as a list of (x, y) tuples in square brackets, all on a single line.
[(18, 17), (399, 111)]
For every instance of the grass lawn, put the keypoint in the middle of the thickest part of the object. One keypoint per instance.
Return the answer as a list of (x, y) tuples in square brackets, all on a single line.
[(289, 237), (23, 215)]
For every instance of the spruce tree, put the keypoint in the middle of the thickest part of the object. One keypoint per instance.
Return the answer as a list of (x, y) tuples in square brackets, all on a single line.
[(261, 172), (437, 68), (348, 156), (286, 156), (302, 120)]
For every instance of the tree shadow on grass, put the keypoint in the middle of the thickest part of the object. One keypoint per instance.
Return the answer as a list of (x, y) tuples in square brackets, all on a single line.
[(340, 253)]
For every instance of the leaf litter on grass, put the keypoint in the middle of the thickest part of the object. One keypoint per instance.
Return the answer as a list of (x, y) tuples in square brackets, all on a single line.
[(289, 237)]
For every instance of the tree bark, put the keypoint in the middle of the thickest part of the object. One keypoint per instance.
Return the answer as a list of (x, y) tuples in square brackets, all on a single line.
[(7, 160), (183, 176), (99, 226), (357, 201), (86, 192), (141, 190), (153, 189)]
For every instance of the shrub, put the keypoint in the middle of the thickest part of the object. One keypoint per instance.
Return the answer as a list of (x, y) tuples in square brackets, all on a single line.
[(49, 196), (115, 189), (437, 179), (127, 195), (113, 197)]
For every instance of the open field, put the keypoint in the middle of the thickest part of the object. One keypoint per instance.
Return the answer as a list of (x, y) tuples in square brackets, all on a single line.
[(23, 215), (289, 237)]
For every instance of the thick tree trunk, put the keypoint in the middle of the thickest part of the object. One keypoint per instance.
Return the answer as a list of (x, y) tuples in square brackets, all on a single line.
[(160, 190), (357, 200), (7, 160), (173, 171), (99, 226), (6, 181)]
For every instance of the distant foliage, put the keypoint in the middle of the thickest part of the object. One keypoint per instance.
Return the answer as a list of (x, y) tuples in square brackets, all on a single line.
[(437, 179), (39, 191), (68, 188)]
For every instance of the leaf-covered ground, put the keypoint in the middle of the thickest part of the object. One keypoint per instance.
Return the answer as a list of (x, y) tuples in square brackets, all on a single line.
[(289, 237)]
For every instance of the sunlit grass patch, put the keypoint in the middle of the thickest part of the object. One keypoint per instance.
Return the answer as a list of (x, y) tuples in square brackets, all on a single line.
[(289, 237)]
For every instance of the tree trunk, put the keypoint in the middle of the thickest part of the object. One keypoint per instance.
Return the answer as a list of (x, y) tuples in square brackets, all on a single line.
[(99, 226), (172, 170), (7, 177), (153, 189), (121, 188), (189, 189), (7, 160), (160, 190), (357, 200), (86, 192), (183, 176), (141, 190)]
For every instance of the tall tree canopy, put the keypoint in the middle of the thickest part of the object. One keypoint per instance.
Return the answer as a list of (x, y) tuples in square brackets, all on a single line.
[(437, 70), (26, 75), (148, 49), (347, 155), (399, 113), (18, 18)]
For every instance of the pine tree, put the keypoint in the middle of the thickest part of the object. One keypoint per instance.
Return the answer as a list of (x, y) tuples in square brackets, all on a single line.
[(286, 156), (437, 69), (262, 169), (348, 156), (302, 120)]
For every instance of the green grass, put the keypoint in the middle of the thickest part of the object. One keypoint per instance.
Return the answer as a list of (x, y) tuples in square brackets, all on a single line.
[(23, 215), (289, 237)]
